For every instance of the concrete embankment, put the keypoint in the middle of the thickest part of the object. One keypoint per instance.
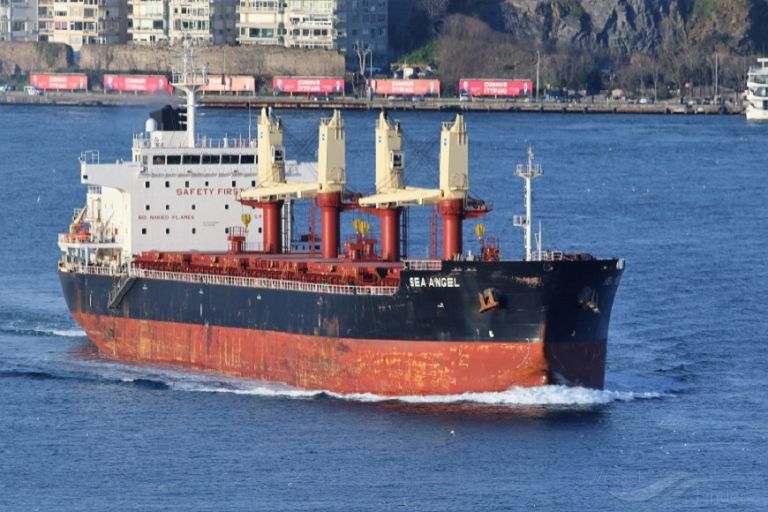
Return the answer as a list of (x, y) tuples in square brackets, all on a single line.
[(350, 103), (18, 59)]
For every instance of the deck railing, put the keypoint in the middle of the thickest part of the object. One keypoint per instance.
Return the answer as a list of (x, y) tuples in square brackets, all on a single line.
[(423, 264), (245, 282)]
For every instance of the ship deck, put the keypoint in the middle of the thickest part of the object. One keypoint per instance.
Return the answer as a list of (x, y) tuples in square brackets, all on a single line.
[(291, 257)]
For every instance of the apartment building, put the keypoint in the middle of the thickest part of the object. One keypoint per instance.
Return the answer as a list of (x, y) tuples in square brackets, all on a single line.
[(367, 25), (79, 22), (172, 21), (18, 20), (332, 24), (260, 22), (148, 21)]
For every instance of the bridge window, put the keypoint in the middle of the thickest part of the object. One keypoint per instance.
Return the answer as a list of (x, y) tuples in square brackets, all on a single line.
[(211, 159), (247, 159), (191, 159), (230, 159), (158, 160), (174, 159)]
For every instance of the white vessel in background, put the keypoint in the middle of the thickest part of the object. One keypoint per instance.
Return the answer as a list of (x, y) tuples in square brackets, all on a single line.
[(757, 91)]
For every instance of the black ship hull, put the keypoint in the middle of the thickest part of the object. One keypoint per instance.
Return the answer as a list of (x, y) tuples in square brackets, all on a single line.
[(471, 326)]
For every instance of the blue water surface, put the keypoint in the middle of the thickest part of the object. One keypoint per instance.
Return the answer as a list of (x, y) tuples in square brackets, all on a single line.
[(682, 425)]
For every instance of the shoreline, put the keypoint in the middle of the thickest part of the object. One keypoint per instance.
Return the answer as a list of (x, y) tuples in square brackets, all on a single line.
[(351, 103)]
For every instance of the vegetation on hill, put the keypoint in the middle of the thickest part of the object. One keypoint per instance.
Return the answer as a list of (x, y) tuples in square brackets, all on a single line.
[(643, 47)]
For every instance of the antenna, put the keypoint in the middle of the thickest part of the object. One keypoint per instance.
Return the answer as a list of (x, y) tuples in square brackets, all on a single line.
[(190, 80), (249, 118), (528, 172)]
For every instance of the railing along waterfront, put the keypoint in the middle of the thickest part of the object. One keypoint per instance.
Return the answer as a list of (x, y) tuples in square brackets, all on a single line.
[(245, 282)]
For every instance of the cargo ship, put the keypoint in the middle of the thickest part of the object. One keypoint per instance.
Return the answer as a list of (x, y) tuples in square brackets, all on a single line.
[(185, 255)]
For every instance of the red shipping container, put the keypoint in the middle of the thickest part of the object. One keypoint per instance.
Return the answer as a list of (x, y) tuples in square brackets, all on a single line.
[(59, 81), (502, 87), (405, 87), (308, 85), (137, 83)]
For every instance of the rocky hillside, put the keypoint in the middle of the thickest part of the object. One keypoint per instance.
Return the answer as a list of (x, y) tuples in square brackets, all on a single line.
[(583, 42), (637, 25)]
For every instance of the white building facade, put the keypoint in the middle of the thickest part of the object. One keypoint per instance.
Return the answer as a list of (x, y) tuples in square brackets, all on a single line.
[(339, 25), (83, 22), (204, 22)]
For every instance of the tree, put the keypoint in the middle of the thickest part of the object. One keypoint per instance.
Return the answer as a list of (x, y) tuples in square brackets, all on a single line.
[(434, 9)]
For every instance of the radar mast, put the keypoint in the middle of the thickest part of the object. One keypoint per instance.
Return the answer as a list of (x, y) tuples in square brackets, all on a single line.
[(191, 80)]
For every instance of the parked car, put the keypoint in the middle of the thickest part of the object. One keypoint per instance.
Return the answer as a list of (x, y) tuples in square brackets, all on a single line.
[(31, 90)]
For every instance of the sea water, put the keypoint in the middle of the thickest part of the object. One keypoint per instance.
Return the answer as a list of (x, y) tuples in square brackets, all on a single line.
[(681, 425)]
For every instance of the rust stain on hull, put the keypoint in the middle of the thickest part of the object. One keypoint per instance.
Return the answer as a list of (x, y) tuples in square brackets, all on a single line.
[(384, 367)]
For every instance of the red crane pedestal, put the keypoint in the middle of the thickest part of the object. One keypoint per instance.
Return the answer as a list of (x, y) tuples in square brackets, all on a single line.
[(390, 233), (452, 211), (330, 207), (273, 240)]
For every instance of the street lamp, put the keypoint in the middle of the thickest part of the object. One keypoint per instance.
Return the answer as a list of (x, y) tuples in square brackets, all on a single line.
[(538, 62)]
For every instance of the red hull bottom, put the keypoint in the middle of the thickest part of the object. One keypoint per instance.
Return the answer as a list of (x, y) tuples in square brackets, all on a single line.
[(383, 367)]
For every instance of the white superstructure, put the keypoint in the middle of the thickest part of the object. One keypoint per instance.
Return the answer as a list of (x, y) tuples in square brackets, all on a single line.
[(757, 92), (178, 192)]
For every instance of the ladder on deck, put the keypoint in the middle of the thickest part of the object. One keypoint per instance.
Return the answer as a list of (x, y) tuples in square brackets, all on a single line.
[(120, 289)]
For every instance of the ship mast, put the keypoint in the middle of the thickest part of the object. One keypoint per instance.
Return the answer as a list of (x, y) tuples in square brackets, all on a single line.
[(528, 172), (191, 80)]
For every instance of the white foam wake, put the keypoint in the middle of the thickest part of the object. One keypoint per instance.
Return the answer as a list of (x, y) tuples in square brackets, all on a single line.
[(64, 333), (542, 395), (620, 389)]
